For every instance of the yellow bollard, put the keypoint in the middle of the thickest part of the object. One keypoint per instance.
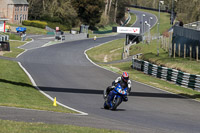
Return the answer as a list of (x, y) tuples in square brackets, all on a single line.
[(95, 38), (54, 103)]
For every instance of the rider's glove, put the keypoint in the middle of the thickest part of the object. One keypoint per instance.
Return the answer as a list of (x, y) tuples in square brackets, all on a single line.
[(112, 87)]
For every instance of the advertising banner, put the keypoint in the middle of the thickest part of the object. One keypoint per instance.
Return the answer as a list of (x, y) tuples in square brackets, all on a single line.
[(128, 30)]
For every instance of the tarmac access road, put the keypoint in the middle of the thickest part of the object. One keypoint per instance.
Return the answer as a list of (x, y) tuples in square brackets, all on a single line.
[(63, 71)]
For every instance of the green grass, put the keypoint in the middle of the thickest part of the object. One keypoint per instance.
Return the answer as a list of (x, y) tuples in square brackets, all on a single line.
[(153, 81), (17, 91), (185, 65), (101, 35), (149, 51), (35, 30), (107, 27), (13, 36), (132, 21), (30, 29), (14, 50), (113, 51), (22, 127), (164, 20), (139, 76), (149, 54)]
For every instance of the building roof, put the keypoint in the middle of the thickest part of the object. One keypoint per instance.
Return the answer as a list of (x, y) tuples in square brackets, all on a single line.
[(20, 2)]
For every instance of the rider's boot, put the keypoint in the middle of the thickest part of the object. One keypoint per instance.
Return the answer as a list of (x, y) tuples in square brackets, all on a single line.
[(105, 94)]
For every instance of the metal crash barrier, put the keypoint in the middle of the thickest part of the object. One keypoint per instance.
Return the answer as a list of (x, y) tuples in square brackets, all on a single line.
[(4, 44), (59, 35), (172, 75)]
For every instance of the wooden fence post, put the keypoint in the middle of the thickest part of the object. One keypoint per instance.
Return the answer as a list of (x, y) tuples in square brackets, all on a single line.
[(174, 50), (184, 50), (179, 49), (197, 53), (162, 41), (170, 45), (190, 52)]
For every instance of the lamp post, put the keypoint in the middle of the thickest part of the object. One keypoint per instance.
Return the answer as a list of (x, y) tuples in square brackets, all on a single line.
[(151, 18), (143, 27), (148, 31), (143, 22)]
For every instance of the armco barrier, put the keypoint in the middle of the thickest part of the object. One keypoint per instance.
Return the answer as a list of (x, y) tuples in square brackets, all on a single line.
[(172, 75), (4, 44)]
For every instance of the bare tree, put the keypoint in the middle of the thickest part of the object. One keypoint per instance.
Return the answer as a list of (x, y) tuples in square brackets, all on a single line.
[(115, 10), (106, 7), (109, 7)]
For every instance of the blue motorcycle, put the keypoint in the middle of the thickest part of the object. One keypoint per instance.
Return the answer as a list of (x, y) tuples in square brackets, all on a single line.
[(115, 97)]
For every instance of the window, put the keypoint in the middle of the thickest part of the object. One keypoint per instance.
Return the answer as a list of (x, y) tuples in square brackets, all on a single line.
[(25, 17), (15, 17)]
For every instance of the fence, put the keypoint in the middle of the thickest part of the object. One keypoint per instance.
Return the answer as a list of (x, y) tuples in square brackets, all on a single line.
[(166, 43), (172, 75), (186, 42)]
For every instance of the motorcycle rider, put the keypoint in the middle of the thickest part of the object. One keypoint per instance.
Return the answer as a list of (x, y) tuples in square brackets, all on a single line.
[(124, 82)]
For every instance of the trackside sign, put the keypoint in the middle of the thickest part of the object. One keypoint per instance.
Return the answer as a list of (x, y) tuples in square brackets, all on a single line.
[(130, 30)]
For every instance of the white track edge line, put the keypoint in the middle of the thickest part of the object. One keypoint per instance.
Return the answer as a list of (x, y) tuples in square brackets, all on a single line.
[(52, 99)]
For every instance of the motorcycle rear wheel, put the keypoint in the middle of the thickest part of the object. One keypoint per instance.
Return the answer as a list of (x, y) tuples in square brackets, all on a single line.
[(105, 105)]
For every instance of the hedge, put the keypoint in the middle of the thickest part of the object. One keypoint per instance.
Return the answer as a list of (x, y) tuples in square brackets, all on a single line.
[(35, 23), (53, 25), (42, 24)]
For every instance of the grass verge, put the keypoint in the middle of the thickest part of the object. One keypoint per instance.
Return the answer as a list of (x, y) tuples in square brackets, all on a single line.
[(132, 21), (14, 50), (164, 20), (17, 90), (153, 81), (106, 53), (22, 127), (103, 50)]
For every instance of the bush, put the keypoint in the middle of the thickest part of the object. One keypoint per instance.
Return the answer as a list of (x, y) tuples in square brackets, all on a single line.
[(35, 23), (43, 24), (61, 27)]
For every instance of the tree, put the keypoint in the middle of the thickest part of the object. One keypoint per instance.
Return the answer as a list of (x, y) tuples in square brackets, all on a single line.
[(89, 11), (60, 11)]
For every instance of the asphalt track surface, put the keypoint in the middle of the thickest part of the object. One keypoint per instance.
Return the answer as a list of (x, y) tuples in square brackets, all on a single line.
[(63, 71)]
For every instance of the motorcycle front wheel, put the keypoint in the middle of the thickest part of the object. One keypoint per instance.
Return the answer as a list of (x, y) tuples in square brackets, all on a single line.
[(116, 103)]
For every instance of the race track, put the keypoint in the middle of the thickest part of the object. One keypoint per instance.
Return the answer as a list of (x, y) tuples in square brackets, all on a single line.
[(64, 72)]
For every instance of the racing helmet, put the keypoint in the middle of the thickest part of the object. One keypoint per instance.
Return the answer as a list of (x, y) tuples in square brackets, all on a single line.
[(125, 77)]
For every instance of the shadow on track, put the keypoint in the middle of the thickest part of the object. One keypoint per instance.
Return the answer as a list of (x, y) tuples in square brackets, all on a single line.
[(100, 92), (16, 83)]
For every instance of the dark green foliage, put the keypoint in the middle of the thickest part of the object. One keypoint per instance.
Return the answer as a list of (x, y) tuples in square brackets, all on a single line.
[(60, 11), (89, 11), (61, 27)]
